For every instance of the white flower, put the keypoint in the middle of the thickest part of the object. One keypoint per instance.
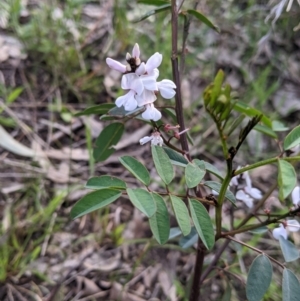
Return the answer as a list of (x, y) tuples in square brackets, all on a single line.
[(281, 231), (153, 62), (140, 79), (128, 101), (155, 139), (151, 113), (290, 225), (113, 64), (242, 196), (166, 88), (246, 193), (145, 98), (296, 196)]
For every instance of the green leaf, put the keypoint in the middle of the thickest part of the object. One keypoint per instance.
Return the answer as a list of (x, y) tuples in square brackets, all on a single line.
[(265, 130), (217, 187), (202, 223), (292, 139), (98, 110), (227, 294), (203, 19), (290, 286), (109, 137), (136, 168), (162, 164), (181, 214), (194, 174), (175, 157), (287, 178), (217, 86), (289, 250), (260, 230), (259, 278), (212, 169), (188, 241), (153, 2), (174, 232), (278, 126), (105, 182), (153, 12), (142, 200), (117, 111), (160, 222), (251, 112), (14, 94), (93, 201)]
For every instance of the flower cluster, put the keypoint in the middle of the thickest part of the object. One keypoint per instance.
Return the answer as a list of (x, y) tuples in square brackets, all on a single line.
[(155, 139), (140, 80), (290, 225), (245, 192)]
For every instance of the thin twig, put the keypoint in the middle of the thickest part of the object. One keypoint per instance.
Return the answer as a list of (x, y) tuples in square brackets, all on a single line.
[(256, 250)]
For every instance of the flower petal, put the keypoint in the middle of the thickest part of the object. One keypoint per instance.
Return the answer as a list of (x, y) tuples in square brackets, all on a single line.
[(245, 198), (145, 139), (127, 100), (141, 69), (296, 195), (254, 192), (247, 178), (293, 225), (145, 98), (136, 51), (149, 82), (166, 88), (115, 65), (234, 181), (151, 113), (153, 62), (131, 81), (157, 140), (281, 231)]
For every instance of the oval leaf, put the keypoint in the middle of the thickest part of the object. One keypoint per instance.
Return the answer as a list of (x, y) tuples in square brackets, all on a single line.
[(181, 214), (136, 168), (105, 182), (287, 178), (251, 112), (217, 187), (188, 241), (109, 137), (259, 278), (162, 164), (290, 286), (292, 139), (160, 222), (194, 174), (98, 110), (153, 12), (289, 250), (142, 200), (203, 19), (202, 223), (93, 201), (175, 157), (212, 169)]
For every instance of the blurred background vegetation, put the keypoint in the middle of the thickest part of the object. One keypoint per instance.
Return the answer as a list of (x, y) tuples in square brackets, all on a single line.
[(52, 65)]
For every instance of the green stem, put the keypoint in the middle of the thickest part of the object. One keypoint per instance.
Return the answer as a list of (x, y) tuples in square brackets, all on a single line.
[(264, 162), (265, 223), (221, 198)]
